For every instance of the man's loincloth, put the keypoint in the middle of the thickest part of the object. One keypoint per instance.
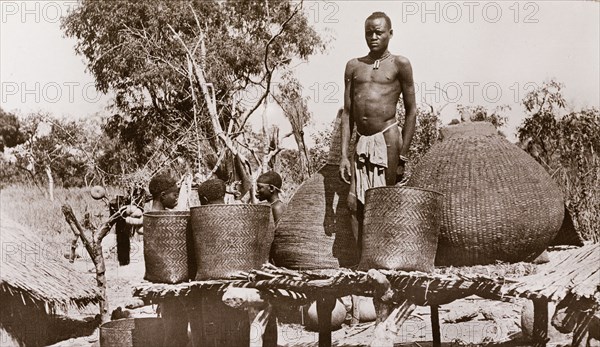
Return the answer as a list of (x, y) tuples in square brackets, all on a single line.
[(370, 162)]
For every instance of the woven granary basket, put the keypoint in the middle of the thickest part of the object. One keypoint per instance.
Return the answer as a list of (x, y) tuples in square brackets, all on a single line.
[(132, 332), (499, 203), (230, 238), (315, 232), (401, 229), (166, 246)]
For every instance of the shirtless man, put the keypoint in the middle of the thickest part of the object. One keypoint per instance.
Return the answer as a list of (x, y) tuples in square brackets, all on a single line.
[(372, 88)]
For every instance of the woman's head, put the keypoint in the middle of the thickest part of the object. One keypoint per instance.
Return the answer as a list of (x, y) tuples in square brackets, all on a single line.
[(212, 191), (164, 189), (268, 184)]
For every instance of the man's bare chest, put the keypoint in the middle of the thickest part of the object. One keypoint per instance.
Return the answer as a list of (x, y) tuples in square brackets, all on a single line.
[(367, 74)]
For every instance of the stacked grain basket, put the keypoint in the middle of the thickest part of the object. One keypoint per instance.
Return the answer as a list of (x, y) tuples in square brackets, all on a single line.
[(499, 204), (315, 231)]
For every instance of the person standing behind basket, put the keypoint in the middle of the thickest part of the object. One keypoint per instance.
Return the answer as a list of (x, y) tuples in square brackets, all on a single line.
[(373, 85), (212, 192), (268, 186), (165, 192)]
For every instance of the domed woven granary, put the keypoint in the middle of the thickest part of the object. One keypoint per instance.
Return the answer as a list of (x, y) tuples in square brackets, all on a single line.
[(499, 204)]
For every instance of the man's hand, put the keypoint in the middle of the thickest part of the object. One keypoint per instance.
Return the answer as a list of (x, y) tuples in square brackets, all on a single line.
[(400, 172), (345, 168)]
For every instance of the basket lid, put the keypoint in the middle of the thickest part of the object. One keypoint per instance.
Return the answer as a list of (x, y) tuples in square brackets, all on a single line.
[(468, 129)]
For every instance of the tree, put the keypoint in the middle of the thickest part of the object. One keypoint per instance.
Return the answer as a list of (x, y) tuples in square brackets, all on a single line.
[(187, 75), (538, 133), (10, 130), (296, 111), (567, 145), (56, 150)]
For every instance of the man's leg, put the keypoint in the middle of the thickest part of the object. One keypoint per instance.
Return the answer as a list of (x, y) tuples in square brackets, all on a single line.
[(393, 140), (360, 217), (356, 209)]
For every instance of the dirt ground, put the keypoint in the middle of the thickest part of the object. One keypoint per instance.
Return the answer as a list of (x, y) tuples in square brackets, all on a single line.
[(494, 323)]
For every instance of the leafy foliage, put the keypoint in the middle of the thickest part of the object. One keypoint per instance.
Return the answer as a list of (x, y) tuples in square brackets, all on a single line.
[(140, 51), (10, 130), (427, 130), (567, 145), (480, 113), (65, 148)]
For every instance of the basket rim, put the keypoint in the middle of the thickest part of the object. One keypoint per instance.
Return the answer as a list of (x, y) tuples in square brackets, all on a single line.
[(118, 325), (254, 206), (166, 213), (406, 187)]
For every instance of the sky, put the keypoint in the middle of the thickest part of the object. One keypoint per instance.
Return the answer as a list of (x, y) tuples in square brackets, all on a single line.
[(462, 52)]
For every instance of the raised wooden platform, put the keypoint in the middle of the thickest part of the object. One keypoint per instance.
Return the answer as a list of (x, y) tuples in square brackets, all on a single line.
[(573, 278)]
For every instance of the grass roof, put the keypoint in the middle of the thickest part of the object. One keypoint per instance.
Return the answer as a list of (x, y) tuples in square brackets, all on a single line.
[(37, 273)]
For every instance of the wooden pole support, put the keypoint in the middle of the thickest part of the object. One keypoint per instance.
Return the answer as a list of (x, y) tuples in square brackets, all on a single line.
[(540, 323), (325, 306), (355, 310), (435, 326)]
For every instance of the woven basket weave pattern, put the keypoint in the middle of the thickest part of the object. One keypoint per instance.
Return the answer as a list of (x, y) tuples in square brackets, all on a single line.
[(499, 204), (315, 232), (230, 238), (401, 229), (132, 332), (165, 246)]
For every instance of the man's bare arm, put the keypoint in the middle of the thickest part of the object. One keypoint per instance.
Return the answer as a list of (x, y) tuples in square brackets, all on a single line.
[(345, 123), (346, 110), (410, 108)]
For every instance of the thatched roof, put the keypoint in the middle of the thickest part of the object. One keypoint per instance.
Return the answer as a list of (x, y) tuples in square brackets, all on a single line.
[(577, 274), (37, 273)]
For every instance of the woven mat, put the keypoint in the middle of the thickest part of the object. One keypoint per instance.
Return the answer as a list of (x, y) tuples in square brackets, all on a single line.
[(422, 288)]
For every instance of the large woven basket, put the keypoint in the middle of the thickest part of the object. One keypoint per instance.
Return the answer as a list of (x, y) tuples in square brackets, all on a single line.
[(166, 246), (132, 332), (401, 229), (230, 238), (499, 204), (315, 231)]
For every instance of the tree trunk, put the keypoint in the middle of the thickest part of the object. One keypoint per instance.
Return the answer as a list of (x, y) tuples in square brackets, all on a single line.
[(50, 183), (302, 154), (94, 249)]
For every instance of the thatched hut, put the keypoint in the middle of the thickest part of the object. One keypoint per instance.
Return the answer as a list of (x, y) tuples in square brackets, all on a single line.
[(573, 282), (36, 283)]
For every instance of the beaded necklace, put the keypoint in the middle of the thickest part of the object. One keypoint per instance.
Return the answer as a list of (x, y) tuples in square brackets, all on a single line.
[(377, 62)]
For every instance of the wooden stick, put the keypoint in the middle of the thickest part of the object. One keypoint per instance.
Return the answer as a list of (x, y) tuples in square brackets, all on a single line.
[(435, 326), (73, 248), (325, 306), (540, 323)]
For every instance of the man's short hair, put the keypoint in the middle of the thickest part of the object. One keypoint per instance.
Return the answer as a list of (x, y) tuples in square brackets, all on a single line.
[(376, 15), (211, 190), (271, 178), (161, 183)]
